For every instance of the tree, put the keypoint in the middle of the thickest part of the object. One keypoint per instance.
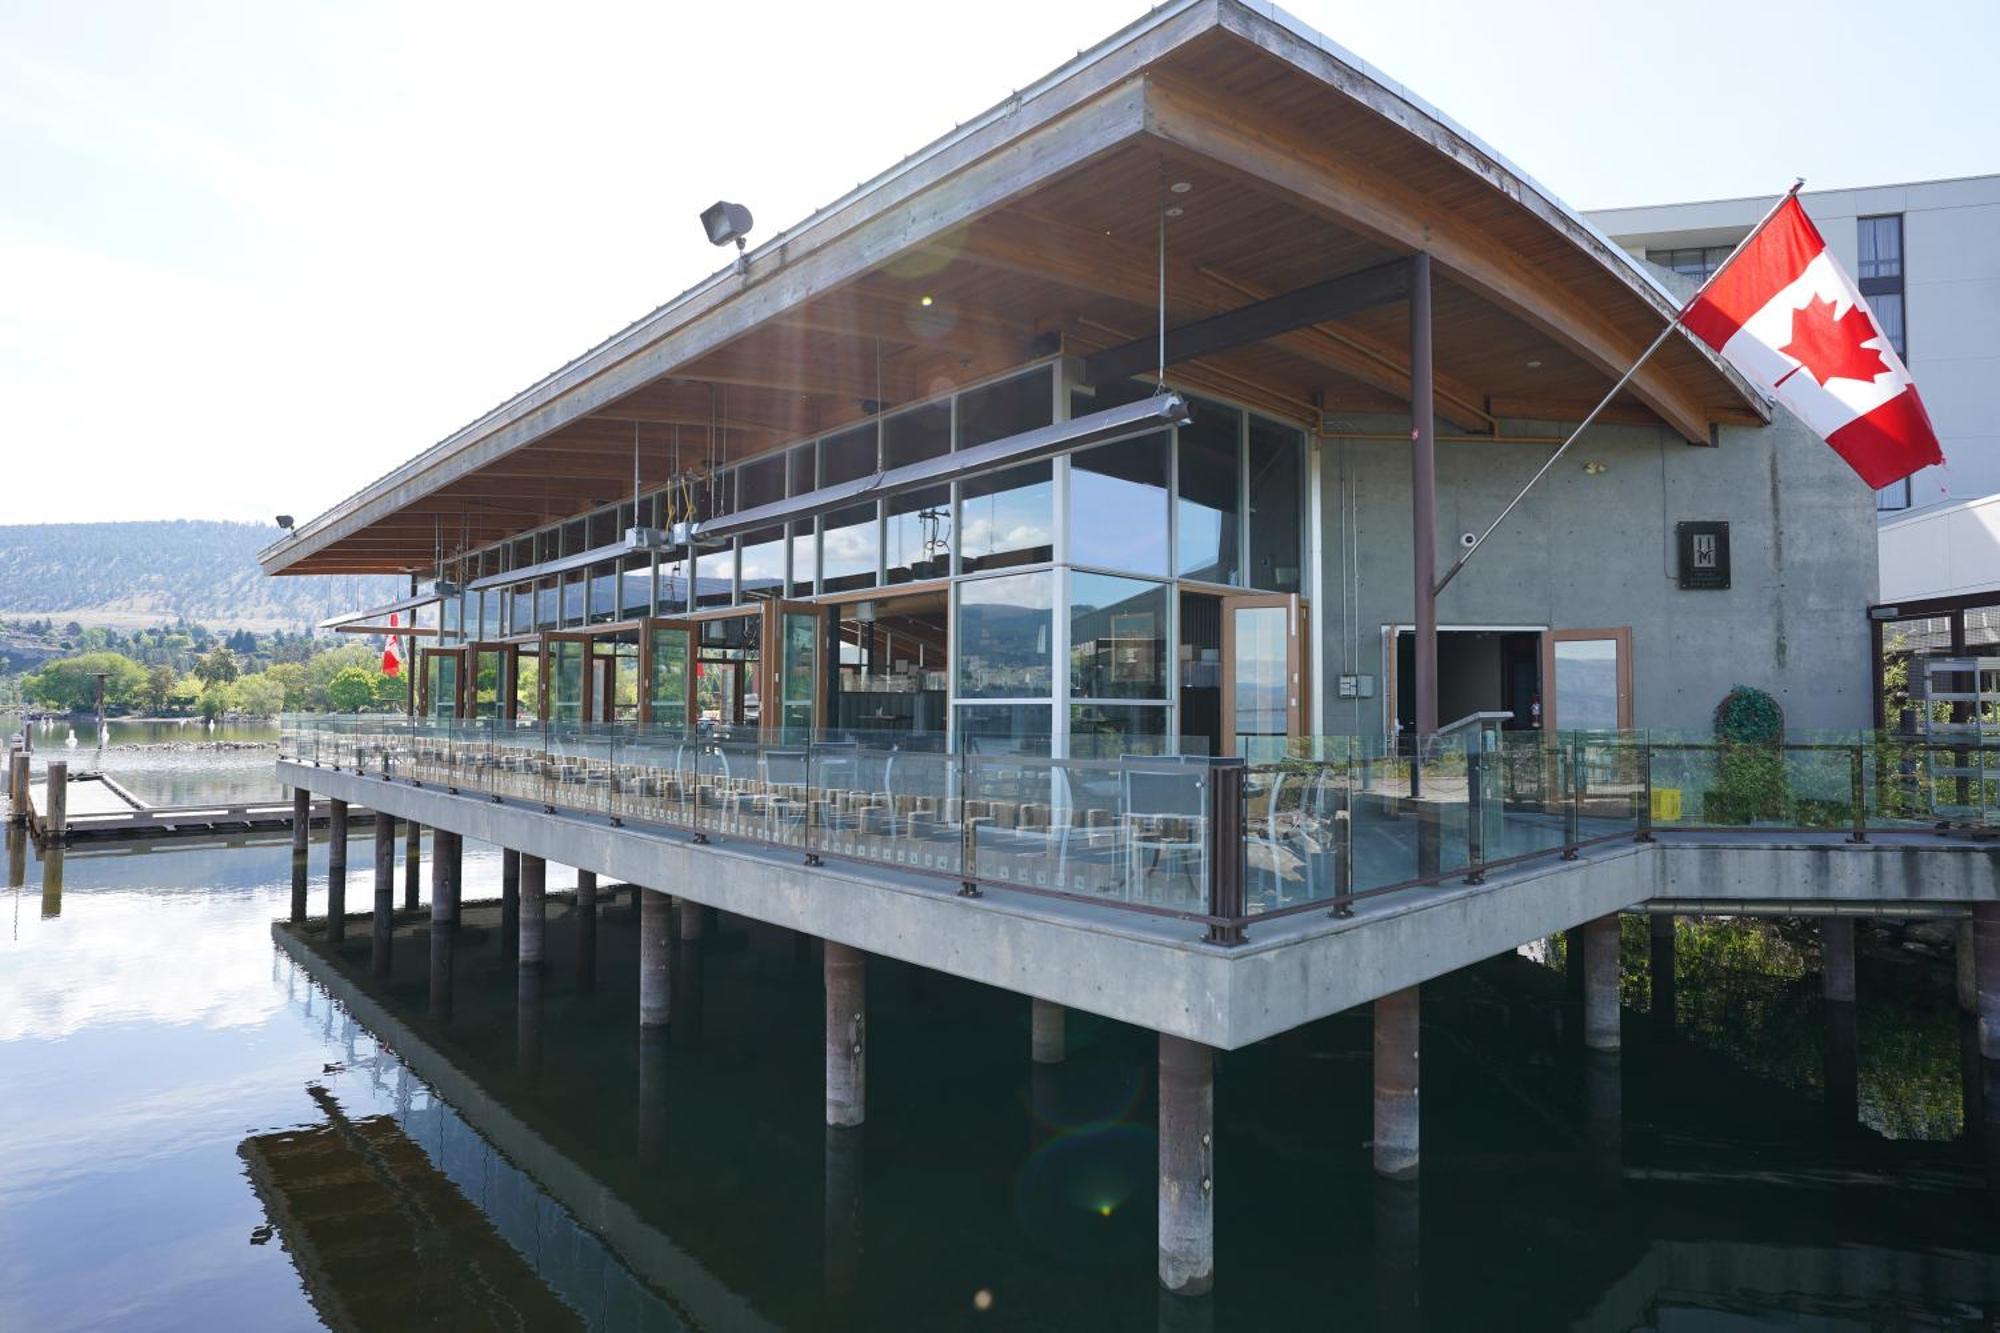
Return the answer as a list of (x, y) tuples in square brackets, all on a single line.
[(215, 699), (291, 677), (185, 694), (159, 685), (351, 690), (218, 667), (259, 695), (69, 683)]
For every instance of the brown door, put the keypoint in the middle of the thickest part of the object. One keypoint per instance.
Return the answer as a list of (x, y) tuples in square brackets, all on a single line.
[(1587, 680), (1264, 666), (666, 673), (791, 670)]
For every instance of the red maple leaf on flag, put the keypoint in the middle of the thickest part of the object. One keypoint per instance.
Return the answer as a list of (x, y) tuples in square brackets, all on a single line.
[(1829, 348)]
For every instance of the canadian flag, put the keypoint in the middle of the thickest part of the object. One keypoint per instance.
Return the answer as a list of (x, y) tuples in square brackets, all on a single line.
[(1781, 311), (392, 655)]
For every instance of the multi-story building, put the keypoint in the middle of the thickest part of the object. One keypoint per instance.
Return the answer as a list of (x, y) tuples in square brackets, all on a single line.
[(921, 581)]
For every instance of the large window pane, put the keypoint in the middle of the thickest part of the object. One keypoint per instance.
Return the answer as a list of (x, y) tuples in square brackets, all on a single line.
[(805, 546), (848, 456), (849, 549), (918, 535), (603, 592), (635, 587), (1586, 684), (1007, 518), (1210, 493), (760, 481), (1109, 731), (1117, 638), (1277, 495), (1118, 505), (572, 598), (715, 577), (1004, 636), (670, 676), (674, 572), (1021, 729), (764, 563)]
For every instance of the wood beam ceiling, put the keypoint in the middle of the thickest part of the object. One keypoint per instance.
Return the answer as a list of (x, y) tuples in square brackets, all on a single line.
[(1272, 156)]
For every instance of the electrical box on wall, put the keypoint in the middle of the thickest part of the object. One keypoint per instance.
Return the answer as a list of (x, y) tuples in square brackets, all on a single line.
[(1357, 687), (1704, 555)]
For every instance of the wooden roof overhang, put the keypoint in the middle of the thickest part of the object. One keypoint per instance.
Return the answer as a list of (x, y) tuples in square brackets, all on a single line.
[(1035, 228)]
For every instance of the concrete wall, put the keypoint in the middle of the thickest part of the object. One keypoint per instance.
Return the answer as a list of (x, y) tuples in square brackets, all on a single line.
[(1596, 550), (1951, 298)]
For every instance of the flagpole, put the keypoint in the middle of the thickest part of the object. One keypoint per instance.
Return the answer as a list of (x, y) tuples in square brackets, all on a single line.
[(1615, 389)]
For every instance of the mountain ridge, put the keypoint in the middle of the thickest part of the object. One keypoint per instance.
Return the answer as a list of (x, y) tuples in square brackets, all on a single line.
[(133, 574)]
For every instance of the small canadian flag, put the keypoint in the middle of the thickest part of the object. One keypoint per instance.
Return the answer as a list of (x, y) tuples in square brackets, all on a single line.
[(1784, 313), (392, 655)]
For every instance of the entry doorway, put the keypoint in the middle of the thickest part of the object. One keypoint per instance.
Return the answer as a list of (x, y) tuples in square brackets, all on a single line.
[(1483, 669), (1243, 666)]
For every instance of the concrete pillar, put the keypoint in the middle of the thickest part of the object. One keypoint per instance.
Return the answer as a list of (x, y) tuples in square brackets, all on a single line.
[(444, 875), (846, 1044), (586, 930), (1843, 1063), (413, 862), (1600, 983), (1187, 1166), (691, 917), (1665, 1001), (442, 956), (510, 902), (1604, 1115), (301, 854), (1986, 954), (840, 1236), (382, 924), (656, 948), (1045, 1041), (55, 820), (336, 871), (1968, 969), (1836, 951), (534, 908), (1397, 1118)]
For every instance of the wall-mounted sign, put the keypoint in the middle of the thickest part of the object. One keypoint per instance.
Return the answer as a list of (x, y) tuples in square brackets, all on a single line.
[(1704, 554)]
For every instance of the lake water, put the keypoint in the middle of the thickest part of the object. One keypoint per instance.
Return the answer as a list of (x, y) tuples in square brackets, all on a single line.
[(177, 762), (202, 1132)]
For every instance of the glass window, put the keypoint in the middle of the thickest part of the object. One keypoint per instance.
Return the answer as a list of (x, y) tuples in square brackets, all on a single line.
[(760, 481), (917, 537), (566, 684), (548, 608), (1210, 494), (1586, 684), (715, 577), (1004, 636), (849, 549), (1881, 246), (1021, 729), (635, 587), (603, 529), (603, 592), (1006, 518), (573, 537), (801, 470), (491, 602), (524, 553), (805, 549), (572, 598), (1118, 505), (848, 456), (1277, 504), (669, 684), (764, 563), (674, 570), (1117, 638), (521, 617), (1110, 731), (1888, 308)]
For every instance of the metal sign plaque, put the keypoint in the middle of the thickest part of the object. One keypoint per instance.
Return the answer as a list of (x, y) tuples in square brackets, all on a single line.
[(1704, 554)]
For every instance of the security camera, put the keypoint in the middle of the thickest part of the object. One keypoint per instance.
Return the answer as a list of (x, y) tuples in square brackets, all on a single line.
[(1468, 540)]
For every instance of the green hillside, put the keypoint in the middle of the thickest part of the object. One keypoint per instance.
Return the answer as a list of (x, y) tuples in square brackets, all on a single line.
[(130, 575)]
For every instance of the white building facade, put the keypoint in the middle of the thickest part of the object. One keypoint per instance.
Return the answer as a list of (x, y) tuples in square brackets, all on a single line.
[(1927, 256)]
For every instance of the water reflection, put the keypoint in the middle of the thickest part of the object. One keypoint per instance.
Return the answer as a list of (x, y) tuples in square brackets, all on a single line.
[(154, 1046)]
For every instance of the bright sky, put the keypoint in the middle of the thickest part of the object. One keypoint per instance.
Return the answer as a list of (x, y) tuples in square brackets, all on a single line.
[(253, 255)]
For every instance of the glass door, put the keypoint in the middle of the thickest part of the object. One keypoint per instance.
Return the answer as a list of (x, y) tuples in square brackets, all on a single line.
[(793, 688), (439, 683), (666, 650), (565, 679), (1587, 674), (1263, 674)]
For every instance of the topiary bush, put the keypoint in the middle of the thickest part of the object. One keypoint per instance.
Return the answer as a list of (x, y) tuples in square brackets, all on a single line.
[(1750, 765)]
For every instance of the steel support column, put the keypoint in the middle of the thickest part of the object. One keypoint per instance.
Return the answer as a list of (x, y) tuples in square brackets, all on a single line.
[(1423, 494)]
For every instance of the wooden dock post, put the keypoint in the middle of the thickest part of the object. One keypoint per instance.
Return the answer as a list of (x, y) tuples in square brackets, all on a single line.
[(17, 787), (55, 820)]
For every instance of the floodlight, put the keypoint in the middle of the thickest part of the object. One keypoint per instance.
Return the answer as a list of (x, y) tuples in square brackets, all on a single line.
[(726, 222), (285, 521)]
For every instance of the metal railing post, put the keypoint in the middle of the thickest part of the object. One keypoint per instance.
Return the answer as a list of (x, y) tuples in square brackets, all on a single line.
[(1475, 819), (1226, 851), (1645, 833), (816, 793), (1857, 776), (1571, 760), (968, 833)]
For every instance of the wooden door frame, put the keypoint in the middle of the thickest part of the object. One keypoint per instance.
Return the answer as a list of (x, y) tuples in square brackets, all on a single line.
[(423, 682), (1621, 635), (771, 657), (1298, 659), (647, 626)]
